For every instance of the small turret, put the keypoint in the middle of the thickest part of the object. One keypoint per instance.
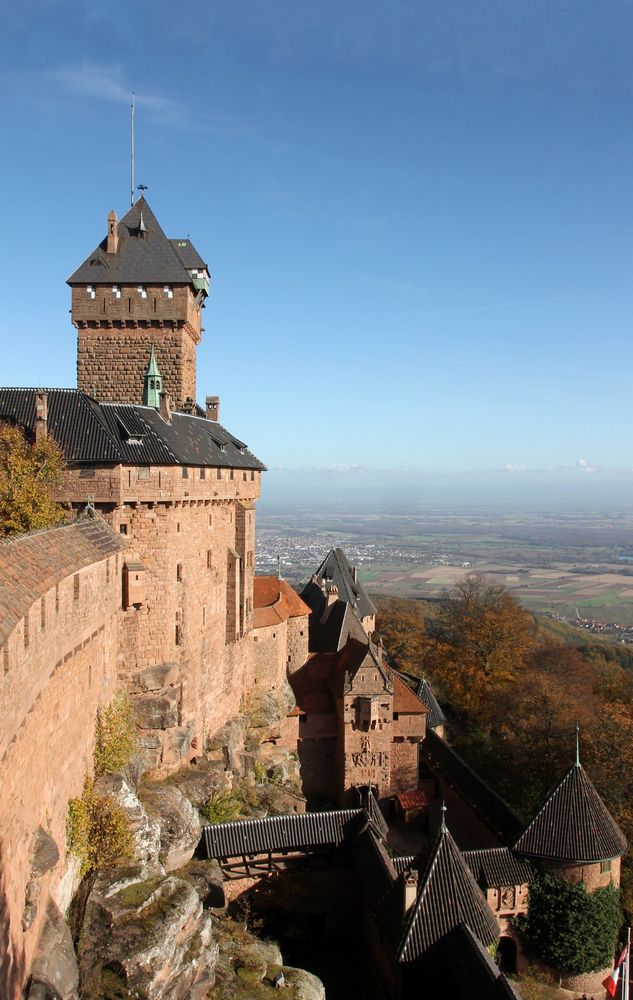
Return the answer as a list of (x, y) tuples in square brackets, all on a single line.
[(153, 383), (113, 233)]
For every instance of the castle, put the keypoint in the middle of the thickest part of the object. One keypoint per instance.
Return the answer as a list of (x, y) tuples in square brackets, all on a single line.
[(152, 586)]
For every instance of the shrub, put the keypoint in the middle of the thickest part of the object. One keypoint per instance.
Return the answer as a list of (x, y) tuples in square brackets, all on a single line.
[(115, 735), (568, 928), (98, 831), (221, 807)]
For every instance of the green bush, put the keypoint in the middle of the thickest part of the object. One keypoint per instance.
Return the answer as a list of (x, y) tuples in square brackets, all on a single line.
[(98, 831), (568, 928), (222, 807), (115, 735)]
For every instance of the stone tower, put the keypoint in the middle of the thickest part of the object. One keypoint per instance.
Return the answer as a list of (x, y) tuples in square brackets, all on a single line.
[(138, 291)]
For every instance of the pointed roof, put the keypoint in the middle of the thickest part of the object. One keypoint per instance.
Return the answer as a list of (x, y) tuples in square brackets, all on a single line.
[(152, 368), (144, 255), (573, 825), (425, 693), (447, 896), (335, 567)]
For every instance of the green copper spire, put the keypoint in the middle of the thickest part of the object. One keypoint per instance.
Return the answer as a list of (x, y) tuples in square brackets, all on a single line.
[(153, 383)]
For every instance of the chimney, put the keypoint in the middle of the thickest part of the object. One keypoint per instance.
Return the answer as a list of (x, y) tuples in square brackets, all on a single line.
[(164, 406), (410, 888), (213, 408), (113, 234), (41, 416), (354, 574), (331, 594)]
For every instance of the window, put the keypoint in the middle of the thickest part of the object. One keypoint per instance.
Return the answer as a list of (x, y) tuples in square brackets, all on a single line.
[(244, 476), (203, 473), (168, 292), (5, 658), (210, 520), (396, 716), (86, 473), (123, 529), (605, 867), (179, 572), (90, 292), (179, 635), (26, 630), (252, 475), (204, 614), (178, 526), (142, 292), (219, 473), (185, 472), (232, 474), (143, 472), (209, 559), (56, 598), (43, 613), (76, 587), (116, 292)]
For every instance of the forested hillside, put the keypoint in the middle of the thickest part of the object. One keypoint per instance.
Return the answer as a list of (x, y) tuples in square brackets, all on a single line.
[(513, 688)]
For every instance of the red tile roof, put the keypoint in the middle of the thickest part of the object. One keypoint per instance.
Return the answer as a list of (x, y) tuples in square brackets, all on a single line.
[(275, 601), (415, 799), (405, 702)]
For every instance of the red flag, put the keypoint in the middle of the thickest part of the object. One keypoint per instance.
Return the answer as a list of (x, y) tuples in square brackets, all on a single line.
[(611, 982)]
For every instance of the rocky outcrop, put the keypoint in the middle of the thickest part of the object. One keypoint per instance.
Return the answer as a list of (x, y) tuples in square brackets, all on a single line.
[(54, 972), (44, 856), (207, 879), (146, 830), (247, 968), (178, 820), (147, 938)]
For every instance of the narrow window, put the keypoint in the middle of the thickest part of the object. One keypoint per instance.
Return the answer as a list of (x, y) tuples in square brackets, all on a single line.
[(177, 525), (168, 292), (204, 614), (26, 630), (232, 474), (179, 635), (252, 475), (43, 613), (219, 473), (244, 476), (185, 472), (210, 520), (76, 587), (605, 867), (107, 571), (179, 572), (203, 473), (56, 598), (142, 292), (91, 292), (5, 659), (116, 292), (209, 559)]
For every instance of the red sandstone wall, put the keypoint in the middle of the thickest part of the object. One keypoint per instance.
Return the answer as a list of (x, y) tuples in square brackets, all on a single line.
[(51, 689)]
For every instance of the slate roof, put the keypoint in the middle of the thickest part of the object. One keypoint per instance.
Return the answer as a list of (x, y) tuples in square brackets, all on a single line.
[(497, 866), (92, 433), (470, 969), (447, 896), (574, 824), (330, 627), (493, 810), (283, 833), (33, 563), (421, 687), (150, 258), (336, 568)]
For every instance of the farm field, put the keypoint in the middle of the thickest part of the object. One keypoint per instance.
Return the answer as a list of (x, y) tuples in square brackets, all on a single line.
[(575, 564)]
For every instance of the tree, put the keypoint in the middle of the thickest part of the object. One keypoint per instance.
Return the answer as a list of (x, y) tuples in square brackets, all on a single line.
[(28, 475), (568, 928), (482, 634)]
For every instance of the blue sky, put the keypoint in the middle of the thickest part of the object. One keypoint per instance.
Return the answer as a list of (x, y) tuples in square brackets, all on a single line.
[(418, 215)]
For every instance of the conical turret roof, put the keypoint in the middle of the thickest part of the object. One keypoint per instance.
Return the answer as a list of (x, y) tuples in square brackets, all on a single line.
[(573, 825), (447, 896)]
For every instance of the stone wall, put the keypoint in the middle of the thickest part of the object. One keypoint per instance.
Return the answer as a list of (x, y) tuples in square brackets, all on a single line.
[(59, 663), (116, 335)]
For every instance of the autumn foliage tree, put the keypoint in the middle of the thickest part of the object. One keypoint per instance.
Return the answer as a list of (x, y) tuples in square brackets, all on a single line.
[(28, 475), (481, 635)]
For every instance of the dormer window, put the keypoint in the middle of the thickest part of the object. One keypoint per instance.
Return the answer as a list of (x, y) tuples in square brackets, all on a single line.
[(168, 292), (116, 292), (142, 292), (90, 292)]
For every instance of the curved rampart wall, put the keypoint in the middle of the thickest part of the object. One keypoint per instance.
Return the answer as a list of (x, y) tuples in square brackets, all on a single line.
[(60, 591)]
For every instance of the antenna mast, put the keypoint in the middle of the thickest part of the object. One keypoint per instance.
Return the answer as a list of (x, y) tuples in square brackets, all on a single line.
[(132, 150)]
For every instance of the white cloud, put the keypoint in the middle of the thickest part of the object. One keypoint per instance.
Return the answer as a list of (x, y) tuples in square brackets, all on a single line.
[(109, 84)]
